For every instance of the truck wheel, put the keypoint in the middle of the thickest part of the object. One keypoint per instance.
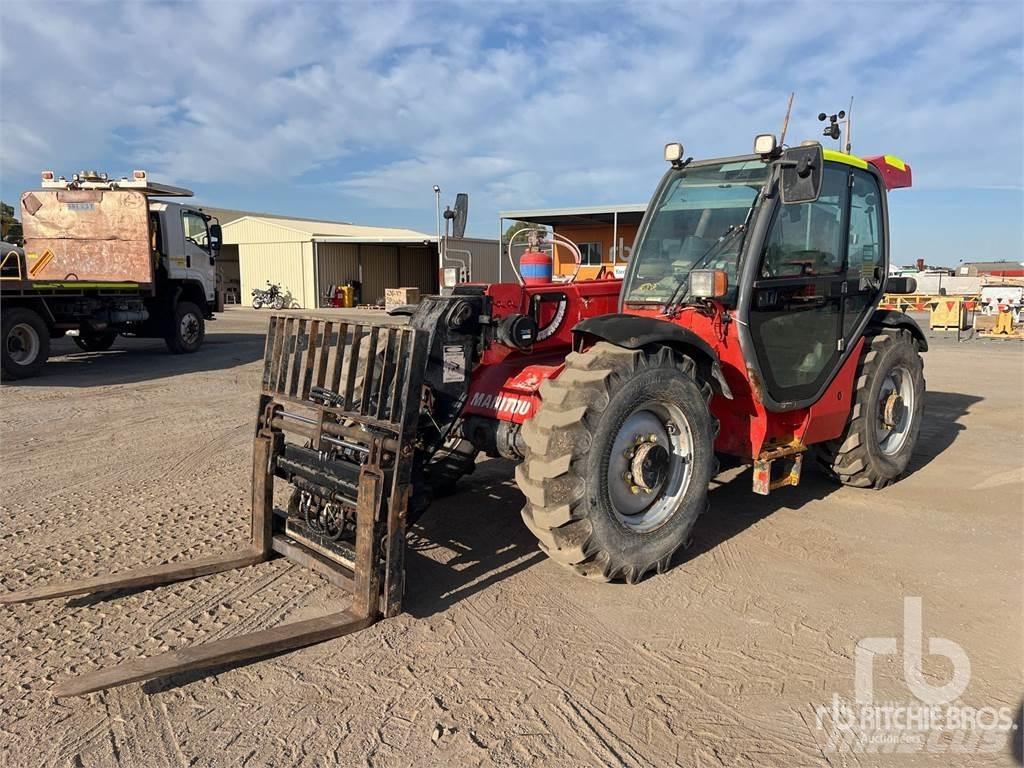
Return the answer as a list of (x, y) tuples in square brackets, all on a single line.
[(95, 342), (618, 460), (26, 342), (885, 418), (188, 329)]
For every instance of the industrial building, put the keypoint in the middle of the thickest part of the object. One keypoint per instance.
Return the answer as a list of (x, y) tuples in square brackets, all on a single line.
[(306, 258), (604, 234)]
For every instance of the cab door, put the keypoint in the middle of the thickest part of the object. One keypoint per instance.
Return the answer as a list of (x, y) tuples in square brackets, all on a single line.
[(200, 262), (796, 309), (867, 257)]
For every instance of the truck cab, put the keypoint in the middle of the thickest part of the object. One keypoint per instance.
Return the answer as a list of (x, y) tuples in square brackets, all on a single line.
[(106, 257)]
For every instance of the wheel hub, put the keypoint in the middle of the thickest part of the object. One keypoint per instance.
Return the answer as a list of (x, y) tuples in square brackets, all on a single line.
[(649, 466), (895, 410), (892, 410), (22, 344)]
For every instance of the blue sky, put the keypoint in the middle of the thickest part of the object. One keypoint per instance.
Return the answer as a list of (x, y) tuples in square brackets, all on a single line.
[(353, 111)]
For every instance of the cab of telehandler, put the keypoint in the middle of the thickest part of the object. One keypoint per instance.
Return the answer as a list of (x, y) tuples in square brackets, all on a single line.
[(748, 327), (790, 244)]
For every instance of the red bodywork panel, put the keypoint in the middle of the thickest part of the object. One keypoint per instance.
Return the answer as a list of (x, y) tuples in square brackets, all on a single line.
[(747, 428), (505, 384)]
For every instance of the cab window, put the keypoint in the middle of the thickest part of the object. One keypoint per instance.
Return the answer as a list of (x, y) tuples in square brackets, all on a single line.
[(806, 239), (196, 230), (865, 252)]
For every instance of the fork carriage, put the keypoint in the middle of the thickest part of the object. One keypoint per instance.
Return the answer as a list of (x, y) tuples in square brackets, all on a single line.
[(338, 410)]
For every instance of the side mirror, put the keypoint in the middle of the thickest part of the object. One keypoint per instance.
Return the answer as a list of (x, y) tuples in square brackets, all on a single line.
[(215, 237), (802, 171), (902, 285)]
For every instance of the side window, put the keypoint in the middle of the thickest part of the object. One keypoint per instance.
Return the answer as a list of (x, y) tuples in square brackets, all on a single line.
[(865, 252), (590, 254), (195, 229), (806, 239), (866, 259)]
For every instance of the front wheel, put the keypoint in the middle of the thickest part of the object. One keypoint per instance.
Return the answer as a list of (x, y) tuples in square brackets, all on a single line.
[(279, 302), (26, 342), (188, 329), (618, 460), (885, 418)]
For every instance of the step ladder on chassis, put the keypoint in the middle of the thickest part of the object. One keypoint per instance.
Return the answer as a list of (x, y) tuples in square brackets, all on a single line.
[(348, 396)]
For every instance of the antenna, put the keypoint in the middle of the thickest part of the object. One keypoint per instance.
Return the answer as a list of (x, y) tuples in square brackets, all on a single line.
[(849, 127), (785, 121)]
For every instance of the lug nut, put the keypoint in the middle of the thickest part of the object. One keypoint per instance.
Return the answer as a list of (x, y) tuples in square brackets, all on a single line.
[(654, 438), (634, 489)]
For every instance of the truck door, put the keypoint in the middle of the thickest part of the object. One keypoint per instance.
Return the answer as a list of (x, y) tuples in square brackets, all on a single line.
[(200, 262), (797, 303)]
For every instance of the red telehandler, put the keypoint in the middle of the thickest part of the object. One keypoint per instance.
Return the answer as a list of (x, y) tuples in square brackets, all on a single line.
[(747, 325)]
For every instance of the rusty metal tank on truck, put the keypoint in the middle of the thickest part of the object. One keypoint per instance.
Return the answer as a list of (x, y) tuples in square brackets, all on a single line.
[(106, 257)]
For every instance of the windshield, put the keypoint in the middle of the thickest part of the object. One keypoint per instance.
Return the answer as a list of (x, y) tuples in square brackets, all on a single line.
[(699, 205)]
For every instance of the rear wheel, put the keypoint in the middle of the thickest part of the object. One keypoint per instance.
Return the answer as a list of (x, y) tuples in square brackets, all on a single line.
[(885, 418), (188, 329), (95, 342), (257, 302), (618, 461), (26, 342)]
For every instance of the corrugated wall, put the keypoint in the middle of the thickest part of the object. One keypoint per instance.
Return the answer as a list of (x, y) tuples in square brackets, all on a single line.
[(277, 262), (339, 263), (484, 257), (380, 271), (418, 268)]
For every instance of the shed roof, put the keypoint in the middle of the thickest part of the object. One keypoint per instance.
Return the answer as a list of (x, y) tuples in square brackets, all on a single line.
[(591, 214), (333, 231)]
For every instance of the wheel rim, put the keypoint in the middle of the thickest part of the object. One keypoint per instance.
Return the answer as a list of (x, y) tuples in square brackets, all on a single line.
[(22, 344), (189, 329), (895, 410), (650, 466)]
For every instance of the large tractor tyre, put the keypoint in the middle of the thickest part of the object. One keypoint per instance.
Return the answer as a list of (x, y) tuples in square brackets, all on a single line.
[(95, 342), (618, 460), (187, 329), (885, 419), (26, 343)]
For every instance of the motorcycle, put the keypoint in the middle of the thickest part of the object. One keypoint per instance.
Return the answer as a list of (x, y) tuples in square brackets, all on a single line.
[(271, 295)]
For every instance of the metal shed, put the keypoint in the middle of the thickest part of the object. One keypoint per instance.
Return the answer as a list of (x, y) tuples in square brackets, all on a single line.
[(308, 257)]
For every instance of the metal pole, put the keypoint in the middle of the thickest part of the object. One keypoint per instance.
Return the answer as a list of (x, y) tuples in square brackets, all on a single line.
[(615, 239), (501, 233), (316, 273), (849, 127), (440, 252)]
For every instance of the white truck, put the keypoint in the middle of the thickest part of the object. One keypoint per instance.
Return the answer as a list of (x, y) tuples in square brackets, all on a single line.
[(106, 257)]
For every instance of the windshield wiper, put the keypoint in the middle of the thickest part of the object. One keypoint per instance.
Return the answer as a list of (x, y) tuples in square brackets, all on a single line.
[(684, 282)]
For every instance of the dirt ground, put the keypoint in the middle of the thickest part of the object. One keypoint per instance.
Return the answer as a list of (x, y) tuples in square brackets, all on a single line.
[(502, 658)]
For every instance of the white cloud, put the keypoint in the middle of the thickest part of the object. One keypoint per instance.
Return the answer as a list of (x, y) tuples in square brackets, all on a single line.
[(520, 105)]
